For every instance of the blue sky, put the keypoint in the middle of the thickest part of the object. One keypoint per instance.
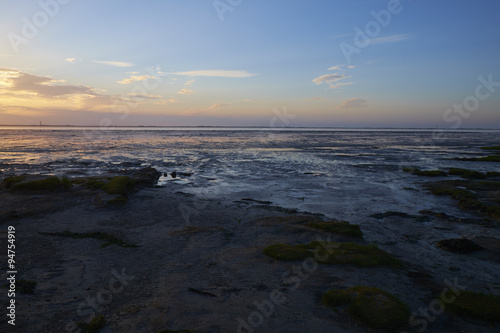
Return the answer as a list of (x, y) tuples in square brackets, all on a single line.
[(245, 62)]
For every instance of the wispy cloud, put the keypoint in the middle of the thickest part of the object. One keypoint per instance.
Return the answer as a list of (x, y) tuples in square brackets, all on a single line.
[(216, 73), (329, 78), (114, 63), (144, 96), (70, 60), (185, 92), (342, 35), (339, 84), (354, 103), (189, 83), (219, 105), (312, 99), (163, 102), (339, 67), (135, 78), (389, 39)]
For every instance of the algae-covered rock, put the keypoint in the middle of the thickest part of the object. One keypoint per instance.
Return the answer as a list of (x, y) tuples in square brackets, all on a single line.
[(94, 326), (49, 184), (476, 305), (373, 307), (338, 227), (334, 253)]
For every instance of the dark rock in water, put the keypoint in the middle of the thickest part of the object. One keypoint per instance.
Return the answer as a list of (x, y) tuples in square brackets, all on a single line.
[(146, 176), (459, 245), (173, 174), (165, 174), (185, 174)]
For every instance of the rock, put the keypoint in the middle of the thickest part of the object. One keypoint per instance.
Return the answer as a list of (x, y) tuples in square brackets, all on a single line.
[(459, 245), (173, 174), (146, 176)]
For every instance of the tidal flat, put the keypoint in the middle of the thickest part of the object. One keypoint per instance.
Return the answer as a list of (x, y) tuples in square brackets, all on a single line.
[(214, 250)]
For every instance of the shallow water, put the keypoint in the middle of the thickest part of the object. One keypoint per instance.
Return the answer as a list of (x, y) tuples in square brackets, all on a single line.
[(327, 171)]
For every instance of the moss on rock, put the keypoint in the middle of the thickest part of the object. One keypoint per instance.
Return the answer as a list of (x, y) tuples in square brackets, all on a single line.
[(334, 253), (476, 305), (49, 184), (94, 326), (373, 307)]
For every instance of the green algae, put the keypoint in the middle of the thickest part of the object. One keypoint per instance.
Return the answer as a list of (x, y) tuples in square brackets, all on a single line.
[(373, 307), (334, 253), (49, 184), (476, 305)]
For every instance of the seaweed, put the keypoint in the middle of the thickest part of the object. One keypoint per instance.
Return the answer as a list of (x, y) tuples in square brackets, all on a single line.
[(338, 227), (49, 184), (374, 307), (95, 326), (334, 253), (464, 173), (10, 181), (476, 305)]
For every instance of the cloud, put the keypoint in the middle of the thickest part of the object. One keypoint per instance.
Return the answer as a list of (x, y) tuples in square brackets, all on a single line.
[(216, 73), (163, 102), (334, 68), (114, 63), (135, 78), (389, 39), (339, 84), (329, 78), (219, 105), (70, 60), (20, 83), (143, 96), (354, 103), (318, 98), (189, 83), (24, 90), (185, 92), (351, 67)]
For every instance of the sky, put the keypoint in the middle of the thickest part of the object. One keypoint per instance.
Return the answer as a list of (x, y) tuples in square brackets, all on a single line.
[(280, 63)]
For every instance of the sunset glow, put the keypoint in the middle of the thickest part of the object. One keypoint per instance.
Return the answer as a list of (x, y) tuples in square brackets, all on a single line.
[(169, 63)]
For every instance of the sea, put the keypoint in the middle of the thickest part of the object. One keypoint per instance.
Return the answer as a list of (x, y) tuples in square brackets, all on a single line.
[(336, 172)]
